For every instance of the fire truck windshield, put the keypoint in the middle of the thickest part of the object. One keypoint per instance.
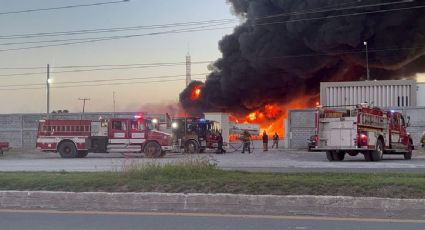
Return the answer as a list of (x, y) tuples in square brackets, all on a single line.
[(150, 125)]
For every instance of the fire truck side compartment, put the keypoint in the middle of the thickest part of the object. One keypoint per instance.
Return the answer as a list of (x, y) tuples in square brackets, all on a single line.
[(97, 144)]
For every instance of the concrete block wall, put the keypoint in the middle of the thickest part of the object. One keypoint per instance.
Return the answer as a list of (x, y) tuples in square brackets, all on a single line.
[(301, 127), (20, 130)]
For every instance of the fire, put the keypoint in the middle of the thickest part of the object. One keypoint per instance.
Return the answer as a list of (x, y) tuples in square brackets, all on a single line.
[(271, 117), (252, 116), (196, 92)]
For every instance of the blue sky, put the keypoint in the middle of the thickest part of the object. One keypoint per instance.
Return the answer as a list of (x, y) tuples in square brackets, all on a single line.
[(150, 49)]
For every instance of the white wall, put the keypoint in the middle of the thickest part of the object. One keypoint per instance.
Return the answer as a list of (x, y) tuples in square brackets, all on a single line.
[(421, 94)]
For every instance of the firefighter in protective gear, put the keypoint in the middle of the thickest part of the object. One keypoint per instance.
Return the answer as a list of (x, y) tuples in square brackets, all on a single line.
[(246, 141)]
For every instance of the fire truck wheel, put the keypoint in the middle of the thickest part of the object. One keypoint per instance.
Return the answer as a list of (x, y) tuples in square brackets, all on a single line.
[(152, 150), (330, 155), (367, 156), (191, 147), (338, 156), (378, 153), (82, 154), (67, 149), (163, 153)]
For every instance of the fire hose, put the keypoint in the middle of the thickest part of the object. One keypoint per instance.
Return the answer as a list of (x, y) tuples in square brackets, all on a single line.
[(234, 148)]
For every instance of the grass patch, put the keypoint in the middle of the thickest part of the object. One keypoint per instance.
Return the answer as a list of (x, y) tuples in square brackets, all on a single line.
[(199, 175)]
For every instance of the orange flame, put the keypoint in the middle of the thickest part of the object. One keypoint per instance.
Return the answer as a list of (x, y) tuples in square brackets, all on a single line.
[(196, 92), (271, 117)]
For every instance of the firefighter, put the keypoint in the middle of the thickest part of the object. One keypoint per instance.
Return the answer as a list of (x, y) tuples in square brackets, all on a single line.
[(220, 149), (265, 141), (275, 140), (246, 141), (423, 140)]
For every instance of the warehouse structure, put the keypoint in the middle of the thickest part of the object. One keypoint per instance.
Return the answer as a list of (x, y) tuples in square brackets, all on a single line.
[(387, 94)]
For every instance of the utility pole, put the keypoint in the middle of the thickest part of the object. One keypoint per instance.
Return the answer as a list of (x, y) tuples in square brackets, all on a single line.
[(113, 100), (84, 104), (48, 91), (367, 62)]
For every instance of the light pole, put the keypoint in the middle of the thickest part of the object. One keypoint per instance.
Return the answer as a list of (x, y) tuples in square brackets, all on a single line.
[(48, 81), (367, 62)]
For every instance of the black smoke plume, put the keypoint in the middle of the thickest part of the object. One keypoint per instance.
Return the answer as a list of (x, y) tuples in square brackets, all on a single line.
[(285, 48)]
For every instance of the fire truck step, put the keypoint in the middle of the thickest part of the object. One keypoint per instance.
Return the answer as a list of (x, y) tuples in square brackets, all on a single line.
[(124, 148)]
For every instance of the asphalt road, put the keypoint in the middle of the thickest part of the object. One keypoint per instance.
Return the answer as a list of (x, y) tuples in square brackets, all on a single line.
[(50, 220), (272, 161)]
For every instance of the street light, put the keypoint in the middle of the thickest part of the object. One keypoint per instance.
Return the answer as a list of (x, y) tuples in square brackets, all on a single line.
[(48, 82), (367, 62)]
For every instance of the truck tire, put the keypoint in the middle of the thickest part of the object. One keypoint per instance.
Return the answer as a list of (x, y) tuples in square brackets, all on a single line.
[(330, 155), (367, 156), (163, 153), (67, 149), (378, 153), (338, 156), (152, 150), (191, 147), (82, 153)]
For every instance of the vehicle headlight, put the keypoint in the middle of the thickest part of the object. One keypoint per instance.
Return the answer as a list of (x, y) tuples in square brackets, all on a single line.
[(174, 125)]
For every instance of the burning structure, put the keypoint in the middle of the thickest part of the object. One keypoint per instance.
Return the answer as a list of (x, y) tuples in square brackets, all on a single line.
[(278, 56)]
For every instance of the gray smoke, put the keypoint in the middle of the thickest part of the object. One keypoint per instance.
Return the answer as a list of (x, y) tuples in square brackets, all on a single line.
[(282, 52)]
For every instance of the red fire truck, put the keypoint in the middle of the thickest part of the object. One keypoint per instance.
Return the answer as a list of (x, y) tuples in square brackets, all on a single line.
[(361, 129), (194, 135), (76, 138)]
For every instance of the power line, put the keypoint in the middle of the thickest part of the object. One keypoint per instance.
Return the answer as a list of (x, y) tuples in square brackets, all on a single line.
[(106, 84), (149, 65), (63, 7), (191, 23), (92, 38), (118, 67), (203, 28), (108, 65), (328, 9), (119, 37), (103, 80), (115, 29), (341, 15)]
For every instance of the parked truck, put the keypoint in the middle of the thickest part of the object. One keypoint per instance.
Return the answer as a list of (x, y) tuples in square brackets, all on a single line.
[(361, 129), (76, 138), (194, 135), (4, 146)]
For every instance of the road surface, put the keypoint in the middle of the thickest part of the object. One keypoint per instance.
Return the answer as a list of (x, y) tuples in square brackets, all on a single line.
[(273, 161), (52, 220)]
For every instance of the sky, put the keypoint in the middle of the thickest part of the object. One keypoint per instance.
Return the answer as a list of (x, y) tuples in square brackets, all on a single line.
[(163, 48)]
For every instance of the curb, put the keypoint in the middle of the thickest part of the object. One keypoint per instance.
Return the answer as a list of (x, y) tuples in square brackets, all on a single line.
[(334, 206)]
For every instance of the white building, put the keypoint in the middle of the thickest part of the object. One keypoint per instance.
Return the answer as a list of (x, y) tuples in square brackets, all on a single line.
[(389, 93)]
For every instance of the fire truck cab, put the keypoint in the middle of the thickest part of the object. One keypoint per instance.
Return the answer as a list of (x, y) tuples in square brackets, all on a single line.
[(194, 135), (363, 129), (76, 138)]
